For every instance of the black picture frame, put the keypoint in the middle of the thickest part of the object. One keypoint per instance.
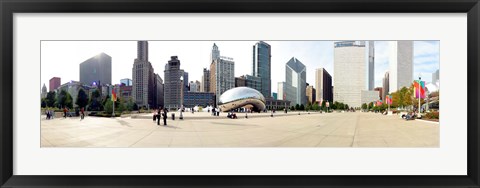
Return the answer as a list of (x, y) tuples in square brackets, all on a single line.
[(9, 7)]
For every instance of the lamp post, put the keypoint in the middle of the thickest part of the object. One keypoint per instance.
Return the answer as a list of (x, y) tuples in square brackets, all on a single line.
[(181, 97)]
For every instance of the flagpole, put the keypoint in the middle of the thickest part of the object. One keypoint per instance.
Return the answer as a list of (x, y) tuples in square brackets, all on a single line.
[(419, 92), (113, 101)]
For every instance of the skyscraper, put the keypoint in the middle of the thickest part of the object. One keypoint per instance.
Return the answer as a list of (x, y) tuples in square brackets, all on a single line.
[(54, 83), (296, 76), (261, 67), (44, 91), (143, 78), (158, 91), (310, 92), (222, 73), (174, 86), (185, 82), (126, 81), (192, 86), (349, 70), (96, 69), (371, 65), (323, 84), (205, 84), (386, 83), (401, 64), (282, 91), (240, 81)]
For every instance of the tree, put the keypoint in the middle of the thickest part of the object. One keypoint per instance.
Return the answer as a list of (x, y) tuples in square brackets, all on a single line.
[(50, 99), (94, 104), (370, 105), (43, 103), (345, 106), (302, 107), (324, 105), (309, 106), (108, 107), (135, 106), (315, 107), (82, 99), (64, 99), (364, 106), (297, 107)]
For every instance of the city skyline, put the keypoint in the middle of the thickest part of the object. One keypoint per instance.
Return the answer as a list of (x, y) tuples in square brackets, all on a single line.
[(195, 55)]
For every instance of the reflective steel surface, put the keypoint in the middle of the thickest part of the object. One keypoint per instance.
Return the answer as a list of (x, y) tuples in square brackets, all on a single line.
[(239, 97)]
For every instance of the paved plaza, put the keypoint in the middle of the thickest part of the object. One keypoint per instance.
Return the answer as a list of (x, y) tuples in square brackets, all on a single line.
[(349, 129)]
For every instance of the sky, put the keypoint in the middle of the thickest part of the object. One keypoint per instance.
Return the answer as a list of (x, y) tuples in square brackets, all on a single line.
[(62, 58)]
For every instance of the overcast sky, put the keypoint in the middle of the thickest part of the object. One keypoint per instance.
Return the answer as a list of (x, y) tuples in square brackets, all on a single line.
[(62, 58)]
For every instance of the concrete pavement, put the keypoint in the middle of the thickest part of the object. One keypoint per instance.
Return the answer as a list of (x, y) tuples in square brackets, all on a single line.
[(350, 129)]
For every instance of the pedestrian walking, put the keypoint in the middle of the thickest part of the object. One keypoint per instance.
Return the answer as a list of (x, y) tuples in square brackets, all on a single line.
[(65, 112), (158, 116), (165, 117), (155, 113), (82, 113)]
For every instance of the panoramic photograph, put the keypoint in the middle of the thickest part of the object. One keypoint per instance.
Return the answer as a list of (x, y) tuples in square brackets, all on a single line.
[(237, 94)]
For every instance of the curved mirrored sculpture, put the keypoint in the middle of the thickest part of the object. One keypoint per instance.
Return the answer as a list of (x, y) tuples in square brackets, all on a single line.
[(241, 97)]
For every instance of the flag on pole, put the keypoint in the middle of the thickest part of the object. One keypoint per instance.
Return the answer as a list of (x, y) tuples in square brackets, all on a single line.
[(419, 89), (114, 95), (388, 99)]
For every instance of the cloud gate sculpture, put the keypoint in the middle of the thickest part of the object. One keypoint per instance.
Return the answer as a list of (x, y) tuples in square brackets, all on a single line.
[(241, 97)]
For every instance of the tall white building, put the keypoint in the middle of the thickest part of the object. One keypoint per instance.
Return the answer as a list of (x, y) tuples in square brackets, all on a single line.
[(371, 65), (222, 73), (349, 69), (281, 91), (401, 65), (143, 78), (385, 83), (296, 82)]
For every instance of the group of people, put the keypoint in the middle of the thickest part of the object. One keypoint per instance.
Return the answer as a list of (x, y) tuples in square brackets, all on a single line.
[(410, 115), (215, 112), (232, 115), (158, 113), (50, 114)]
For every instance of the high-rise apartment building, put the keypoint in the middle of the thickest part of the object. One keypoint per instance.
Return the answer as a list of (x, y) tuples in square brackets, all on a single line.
[(54, 83), (240, 81), (385, 84), (97, 69), (310, 92), (222, 73), (192, 86), (296, 81), (323, 84), (174, 84), (261, 67), (185, 82), (159, 91), (205, 84), (380, 92), (349, 70), (143, 78), (401, 64)]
